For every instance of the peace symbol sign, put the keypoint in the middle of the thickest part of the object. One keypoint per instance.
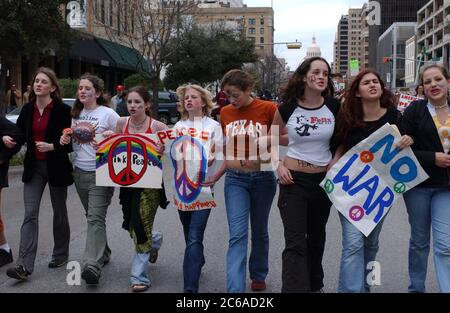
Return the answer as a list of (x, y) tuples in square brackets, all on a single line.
[(189, 162), (329, 186), (126, 176), (399, 187), (366, 156), (356, 213)]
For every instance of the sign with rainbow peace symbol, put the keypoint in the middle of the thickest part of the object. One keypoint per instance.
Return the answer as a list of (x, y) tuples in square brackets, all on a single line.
[(370, 177), (188, 153), (129, 160)]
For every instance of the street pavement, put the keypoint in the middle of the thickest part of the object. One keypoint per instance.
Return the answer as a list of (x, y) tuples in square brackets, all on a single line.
[(166, 274)]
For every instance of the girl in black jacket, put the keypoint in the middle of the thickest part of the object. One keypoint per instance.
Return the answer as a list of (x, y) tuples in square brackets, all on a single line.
[(42, 120), (11, 141), (428, 205)]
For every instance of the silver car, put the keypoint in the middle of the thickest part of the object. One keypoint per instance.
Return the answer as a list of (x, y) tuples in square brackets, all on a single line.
[(14, 114)]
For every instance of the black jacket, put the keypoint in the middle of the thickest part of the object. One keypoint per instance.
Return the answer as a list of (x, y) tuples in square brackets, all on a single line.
[(58, 163), (8, 128), (418, 123)]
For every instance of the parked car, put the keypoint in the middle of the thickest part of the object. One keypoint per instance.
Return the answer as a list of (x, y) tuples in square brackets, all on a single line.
[(14, 114), (168, 104)]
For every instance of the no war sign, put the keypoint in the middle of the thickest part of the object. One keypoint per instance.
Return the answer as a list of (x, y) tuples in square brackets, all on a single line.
[(370, 177)]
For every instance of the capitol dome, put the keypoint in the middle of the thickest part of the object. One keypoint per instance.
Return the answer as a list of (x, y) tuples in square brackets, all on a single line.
[(313, 50)]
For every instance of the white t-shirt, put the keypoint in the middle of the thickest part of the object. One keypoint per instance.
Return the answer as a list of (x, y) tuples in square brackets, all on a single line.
[(103, 119), (207, 130), (310, 131)]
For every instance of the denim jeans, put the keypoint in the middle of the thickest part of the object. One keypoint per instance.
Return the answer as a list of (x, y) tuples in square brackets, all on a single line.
[(428, 208), (248, 195), (140, 262), (357, 251), (194, 224)]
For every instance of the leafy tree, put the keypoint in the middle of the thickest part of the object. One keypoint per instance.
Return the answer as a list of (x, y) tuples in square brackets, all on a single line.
[(30, 28), (203, 54), (148, 26), (140, 80), (69, 87)]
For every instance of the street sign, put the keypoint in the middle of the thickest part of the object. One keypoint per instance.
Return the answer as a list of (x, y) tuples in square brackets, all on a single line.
[(388, 77), (354, 67)]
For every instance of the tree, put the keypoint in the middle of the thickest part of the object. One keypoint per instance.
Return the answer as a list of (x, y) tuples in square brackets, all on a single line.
[(30, 28), (148, 26), (205, 53)]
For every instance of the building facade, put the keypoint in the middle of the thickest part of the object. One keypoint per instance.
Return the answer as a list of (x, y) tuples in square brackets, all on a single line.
[(392, 44), (410, 62), (433, 31), (391, 11), (341, 47), (257, 23)]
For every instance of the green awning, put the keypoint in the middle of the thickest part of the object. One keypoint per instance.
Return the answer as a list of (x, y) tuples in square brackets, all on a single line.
[(124, 57)]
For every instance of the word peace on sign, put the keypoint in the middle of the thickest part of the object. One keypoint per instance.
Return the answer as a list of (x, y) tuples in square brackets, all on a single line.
[(189, 162), (127, 176)]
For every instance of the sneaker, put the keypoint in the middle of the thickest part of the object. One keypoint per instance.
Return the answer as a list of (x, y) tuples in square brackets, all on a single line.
[(258, 285), (54, 263), (90, 276), (5, 257), (18, 272)]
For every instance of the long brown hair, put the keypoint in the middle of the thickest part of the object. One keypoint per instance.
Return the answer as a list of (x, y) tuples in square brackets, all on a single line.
[(351, 114), (99, 86), (56, 94), (145, 95), (295, 89)]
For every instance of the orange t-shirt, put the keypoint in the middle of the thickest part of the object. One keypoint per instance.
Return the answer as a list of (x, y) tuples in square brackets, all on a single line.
[(246, 124)]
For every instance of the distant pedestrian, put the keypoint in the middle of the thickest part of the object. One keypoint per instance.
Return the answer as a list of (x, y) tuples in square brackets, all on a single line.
[(26, 95), (118, 102), (13, 98), (249, 189), (11, 141), (428, 122), (42, 120), (308, 113), (91, 111), (195, 108)]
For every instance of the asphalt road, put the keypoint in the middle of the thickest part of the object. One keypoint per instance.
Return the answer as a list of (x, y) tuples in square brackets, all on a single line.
[(166, 274)]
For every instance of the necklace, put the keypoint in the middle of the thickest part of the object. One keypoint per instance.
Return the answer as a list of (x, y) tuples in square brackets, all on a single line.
[(139, 126), (437, 107)]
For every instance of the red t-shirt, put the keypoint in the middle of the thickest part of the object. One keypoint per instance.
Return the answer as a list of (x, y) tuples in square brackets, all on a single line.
[(40, 123), (246, 124)]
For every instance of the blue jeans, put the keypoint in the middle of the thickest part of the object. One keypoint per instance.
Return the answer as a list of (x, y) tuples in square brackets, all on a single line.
[(194, 224), (248, 195), (357, 251), (140, 262), (428, 208)]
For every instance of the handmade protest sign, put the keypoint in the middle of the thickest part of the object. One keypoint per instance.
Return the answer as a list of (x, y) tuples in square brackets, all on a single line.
[(405, 100), (370, 177), (129, 160), (188, 151)]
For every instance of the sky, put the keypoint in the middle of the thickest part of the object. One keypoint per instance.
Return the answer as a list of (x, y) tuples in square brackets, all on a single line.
[(300, 19)]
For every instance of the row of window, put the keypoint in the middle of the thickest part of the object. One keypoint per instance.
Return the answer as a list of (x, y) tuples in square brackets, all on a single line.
[(261, 39), (252, 21), (121, 15), (252, 31)]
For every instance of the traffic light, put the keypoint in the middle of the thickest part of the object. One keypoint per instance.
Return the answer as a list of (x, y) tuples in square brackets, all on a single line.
[(294, 45), (387, 60)]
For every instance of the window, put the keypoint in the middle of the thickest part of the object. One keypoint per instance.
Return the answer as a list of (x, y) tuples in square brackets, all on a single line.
[(125, 17), (252, 39), (261, 40), (118, 15), (252, 21), (261, 31), (111, 10), (252, 31), (261, 21), (102, 11)]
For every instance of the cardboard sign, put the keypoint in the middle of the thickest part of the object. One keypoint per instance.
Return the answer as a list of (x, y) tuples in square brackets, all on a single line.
[(370, 177), (405, 100), (129, 160)]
